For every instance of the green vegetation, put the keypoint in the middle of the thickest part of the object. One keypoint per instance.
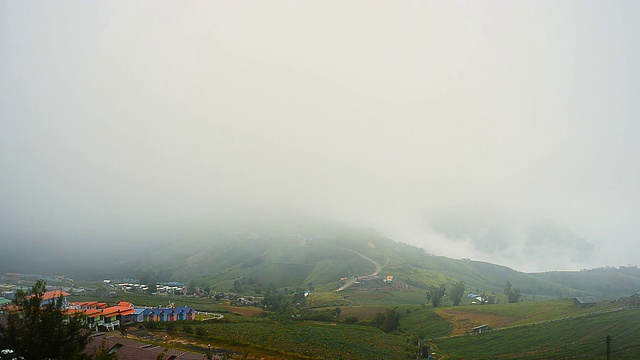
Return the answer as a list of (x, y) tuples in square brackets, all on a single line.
[(435, 294), (45, 323), (581, 336), (513, 294), (426, 322), (387, 321), (537, 311), (309, 339), (457, 292), (294, 278)]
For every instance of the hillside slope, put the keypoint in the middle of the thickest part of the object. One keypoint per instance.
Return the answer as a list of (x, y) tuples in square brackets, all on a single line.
[(276, 257), (259, 256)]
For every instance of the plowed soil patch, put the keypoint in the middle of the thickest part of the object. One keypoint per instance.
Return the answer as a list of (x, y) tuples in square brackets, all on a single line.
[(463, 320)]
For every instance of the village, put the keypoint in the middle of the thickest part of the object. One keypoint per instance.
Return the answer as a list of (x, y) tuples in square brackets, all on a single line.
[(105, 317)]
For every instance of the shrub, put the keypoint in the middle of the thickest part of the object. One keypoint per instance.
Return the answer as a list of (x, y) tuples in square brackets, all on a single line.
[(351, 319), (388, 321), (200, 331), (151, 325)]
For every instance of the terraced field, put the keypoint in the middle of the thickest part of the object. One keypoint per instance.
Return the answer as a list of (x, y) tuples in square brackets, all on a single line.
[(463, 320), (314, 340), (578, 337)]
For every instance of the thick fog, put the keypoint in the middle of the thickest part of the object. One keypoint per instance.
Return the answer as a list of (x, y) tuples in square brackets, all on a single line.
[(499, 131)]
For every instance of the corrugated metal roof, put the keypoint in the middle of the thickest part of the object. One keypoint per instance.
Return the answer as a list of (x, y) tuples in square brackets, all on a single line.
[(587, 299)]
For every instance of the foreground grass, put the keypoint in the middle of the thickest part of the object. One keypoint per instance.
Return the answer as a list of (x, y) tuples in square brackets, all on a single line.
[(310, 339), (581, 336), (530, 330)]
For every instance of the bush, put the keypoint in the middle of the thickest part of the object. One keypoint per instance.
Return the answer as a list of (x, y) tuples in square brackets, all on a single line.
[(351, 319), (200, 331), (326, 315), (388, 321), (151, 325)]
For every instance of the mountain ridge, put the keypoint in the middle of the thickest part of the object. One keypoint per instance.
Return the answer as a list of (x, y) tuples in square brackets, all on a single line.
[(265, 257)]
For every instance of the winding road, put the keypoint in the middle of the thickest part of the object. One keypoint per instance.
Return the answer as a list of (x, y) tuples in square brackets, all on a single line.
[(353, 280)]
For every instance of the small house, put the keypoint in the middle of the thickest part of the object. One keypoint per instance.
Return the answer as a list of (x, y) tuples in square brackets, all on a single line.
[(480, 329), (137, 316), (585, 301), (53, 296), (185, 313), (147, 315)]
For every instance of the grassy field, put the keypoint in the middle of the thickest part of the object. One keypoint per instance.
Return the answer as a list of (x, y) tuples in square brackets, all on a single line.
[(581, 336), (463, 318), (425, 322), (531, 329), (310, 339)]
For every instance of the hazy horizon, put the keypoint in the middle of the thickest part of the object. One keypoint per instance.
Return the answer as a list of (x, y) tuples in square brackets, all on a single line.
[(496, 131)]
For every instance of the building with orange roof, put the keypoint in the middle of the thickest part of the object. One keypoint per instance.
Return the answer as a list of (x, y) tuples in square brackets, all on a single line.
[(99, 314), (53, 296), (84, 305)]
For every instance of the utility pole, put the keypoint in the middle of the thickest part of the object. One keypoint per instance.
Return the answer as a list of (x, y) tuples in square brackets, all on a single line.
[(608, 341)]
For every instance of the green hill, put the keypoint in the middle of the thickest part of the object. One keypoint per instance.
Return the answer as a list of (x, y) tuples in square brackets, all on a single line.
[(301, 253), (267, 257)]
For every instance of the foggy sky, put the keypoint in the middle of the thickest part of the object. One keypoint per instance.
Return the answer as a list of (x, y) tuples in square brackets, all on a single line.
[(118, 117)]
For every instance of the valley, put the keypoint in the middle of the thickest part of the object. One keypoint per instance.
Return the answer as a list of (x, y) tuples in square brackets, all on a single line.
[(344, 293)]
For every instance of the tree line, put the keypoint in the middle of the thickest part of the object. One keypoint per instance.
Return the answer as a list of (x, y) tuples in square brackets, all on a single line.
[(436, 293)]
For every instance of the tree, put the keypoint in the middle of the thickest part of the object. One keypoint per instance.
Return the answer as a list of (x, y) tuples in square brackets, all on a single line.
[(40, 329), (513, 294), (191, 287), (388, 321), (273, 301), (149, 279), (435, 294), (456, 293), (153, 287), (337, 311)]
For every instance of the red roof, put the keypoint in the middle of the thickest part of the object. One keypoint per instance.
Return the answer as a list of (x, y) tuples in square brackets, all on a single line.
[(54, 294), (92, 312), (89, 304), (114, 310), (125, 304), (73, 311)]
